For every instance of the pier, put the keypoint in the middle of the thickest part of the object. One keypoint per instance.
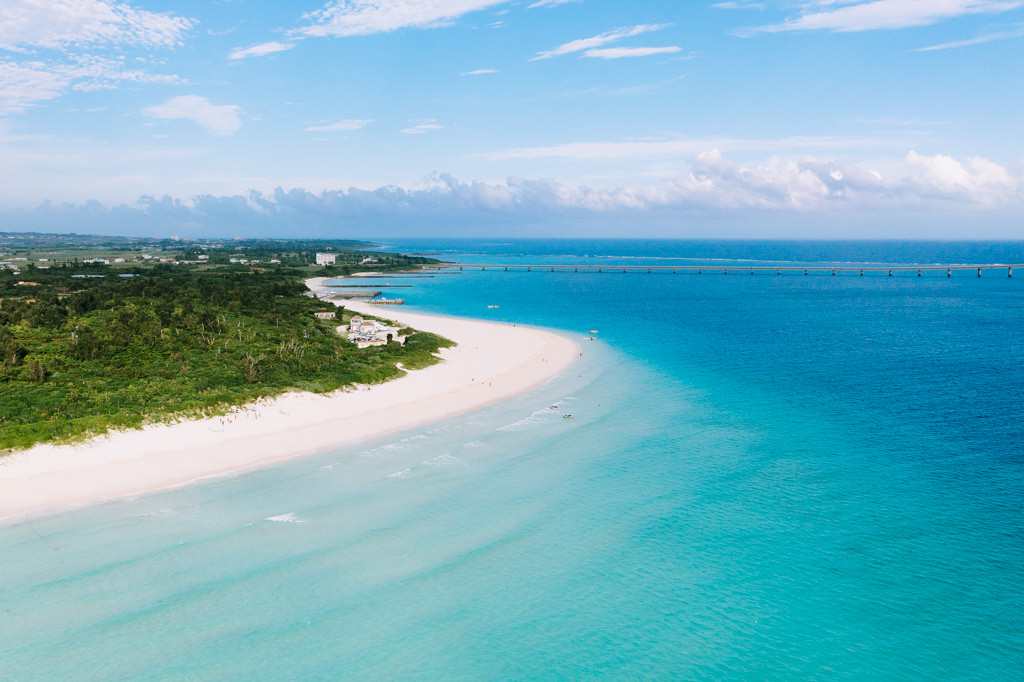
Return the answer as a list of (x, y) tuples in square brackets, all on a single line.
[(832, 270)]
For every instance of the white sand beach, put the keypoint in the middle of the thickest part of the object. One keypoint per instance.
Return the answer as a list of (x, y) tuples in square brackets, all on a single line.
[(492, 362)]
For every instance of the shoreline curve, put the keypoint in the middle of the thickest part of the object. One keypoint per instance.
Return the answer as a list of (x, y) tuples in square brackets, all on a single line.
[(491, 362)]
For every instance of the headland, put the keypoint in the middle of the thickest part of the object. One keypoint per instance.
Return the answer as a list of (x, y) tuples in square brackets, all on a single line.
[(491, 362)]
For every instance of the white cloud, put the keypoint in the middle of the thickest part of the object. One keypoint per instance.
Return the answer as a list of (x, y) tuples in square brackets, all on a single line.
[(620, 52), (25, 84), (366, 17), (68, 26), (803, 185), (260, 50), (732, 4), (423, 127), (22, 85), (988, 38), (49, 24), (97, 73), (550, 3), (347, 124), (858, 15), (218, 119), (981, 181), (810, 184), (715, 189), (600, 150), (612, 151), (478, 72), (593, 42)]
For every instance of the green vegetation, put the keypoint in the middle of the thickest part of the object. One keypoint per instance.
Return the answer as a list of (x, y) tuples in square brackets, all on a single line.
[(85, 347)]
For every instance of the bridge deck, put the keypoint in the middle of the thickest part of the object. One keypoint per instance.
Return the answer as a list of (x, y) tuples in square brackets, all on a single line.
[(725, 269)]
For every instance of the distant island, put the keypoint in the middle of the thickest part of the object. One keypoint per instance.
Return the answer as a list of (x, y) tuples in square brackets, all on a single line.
[(100, 333)]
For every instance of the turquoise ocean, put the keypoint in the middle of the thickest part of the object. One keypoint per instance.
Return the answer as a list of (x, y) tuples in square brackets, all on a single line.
[(766, 477)]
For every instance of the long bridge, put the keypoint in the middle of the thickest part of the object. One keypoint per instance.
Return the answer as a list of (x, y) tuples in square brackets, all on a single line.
[(726, 269)]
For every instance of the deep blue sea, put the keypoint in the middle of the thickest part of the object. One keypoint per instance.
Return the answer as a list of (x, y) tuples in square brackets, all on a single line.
[(767, 477)]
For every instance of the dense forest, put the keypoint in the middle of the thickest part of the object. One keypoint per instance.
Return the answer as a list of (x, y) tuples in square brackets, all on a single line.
[(85, 347)]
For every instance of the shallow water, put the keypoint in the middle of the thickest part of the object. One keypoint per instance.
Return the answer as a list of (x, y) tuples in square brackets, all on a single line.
[(764, 478)]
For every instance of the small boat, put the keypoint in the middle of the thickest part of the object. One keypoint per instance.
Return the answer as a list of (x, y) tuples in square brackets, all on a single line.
[(566, 416)]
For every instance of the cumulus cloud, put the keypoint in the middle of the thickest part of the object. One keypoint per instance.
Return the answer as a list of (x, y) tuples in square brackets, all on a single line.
[(717, 191), (804, 185), (814, 184), (583, 44), (366, 17), (980, 180), (261, 50), (347, 124), (715, 186), (218, 119), (41, 23), (870, 15)]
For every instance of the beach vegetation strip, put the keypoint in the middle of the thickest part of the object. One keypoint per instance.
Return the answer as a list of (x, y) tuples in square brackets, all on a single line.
[(83, 355)]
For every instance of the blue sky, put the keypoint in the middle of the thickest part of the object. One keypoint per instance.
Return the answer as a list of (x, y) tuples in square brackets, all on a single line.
[(778, 118)]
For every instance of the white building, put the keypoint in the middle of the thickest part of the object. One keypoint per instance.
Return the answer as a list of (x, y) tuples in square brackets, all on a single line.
[(365, 333), (325, 258)]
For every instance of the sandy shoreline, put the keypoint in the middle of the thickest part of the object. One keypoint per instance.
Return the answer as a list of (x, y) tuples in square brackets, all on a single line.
[(492, 362)]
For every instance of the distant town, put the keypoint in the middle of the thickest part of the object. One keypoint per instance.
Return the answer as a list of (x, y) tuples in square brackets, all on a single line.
[(31, 252)]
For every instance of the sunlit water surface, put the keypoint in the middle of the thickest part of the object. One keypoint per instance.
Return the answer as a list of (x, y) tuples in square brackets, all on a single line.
[(765, 477)]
